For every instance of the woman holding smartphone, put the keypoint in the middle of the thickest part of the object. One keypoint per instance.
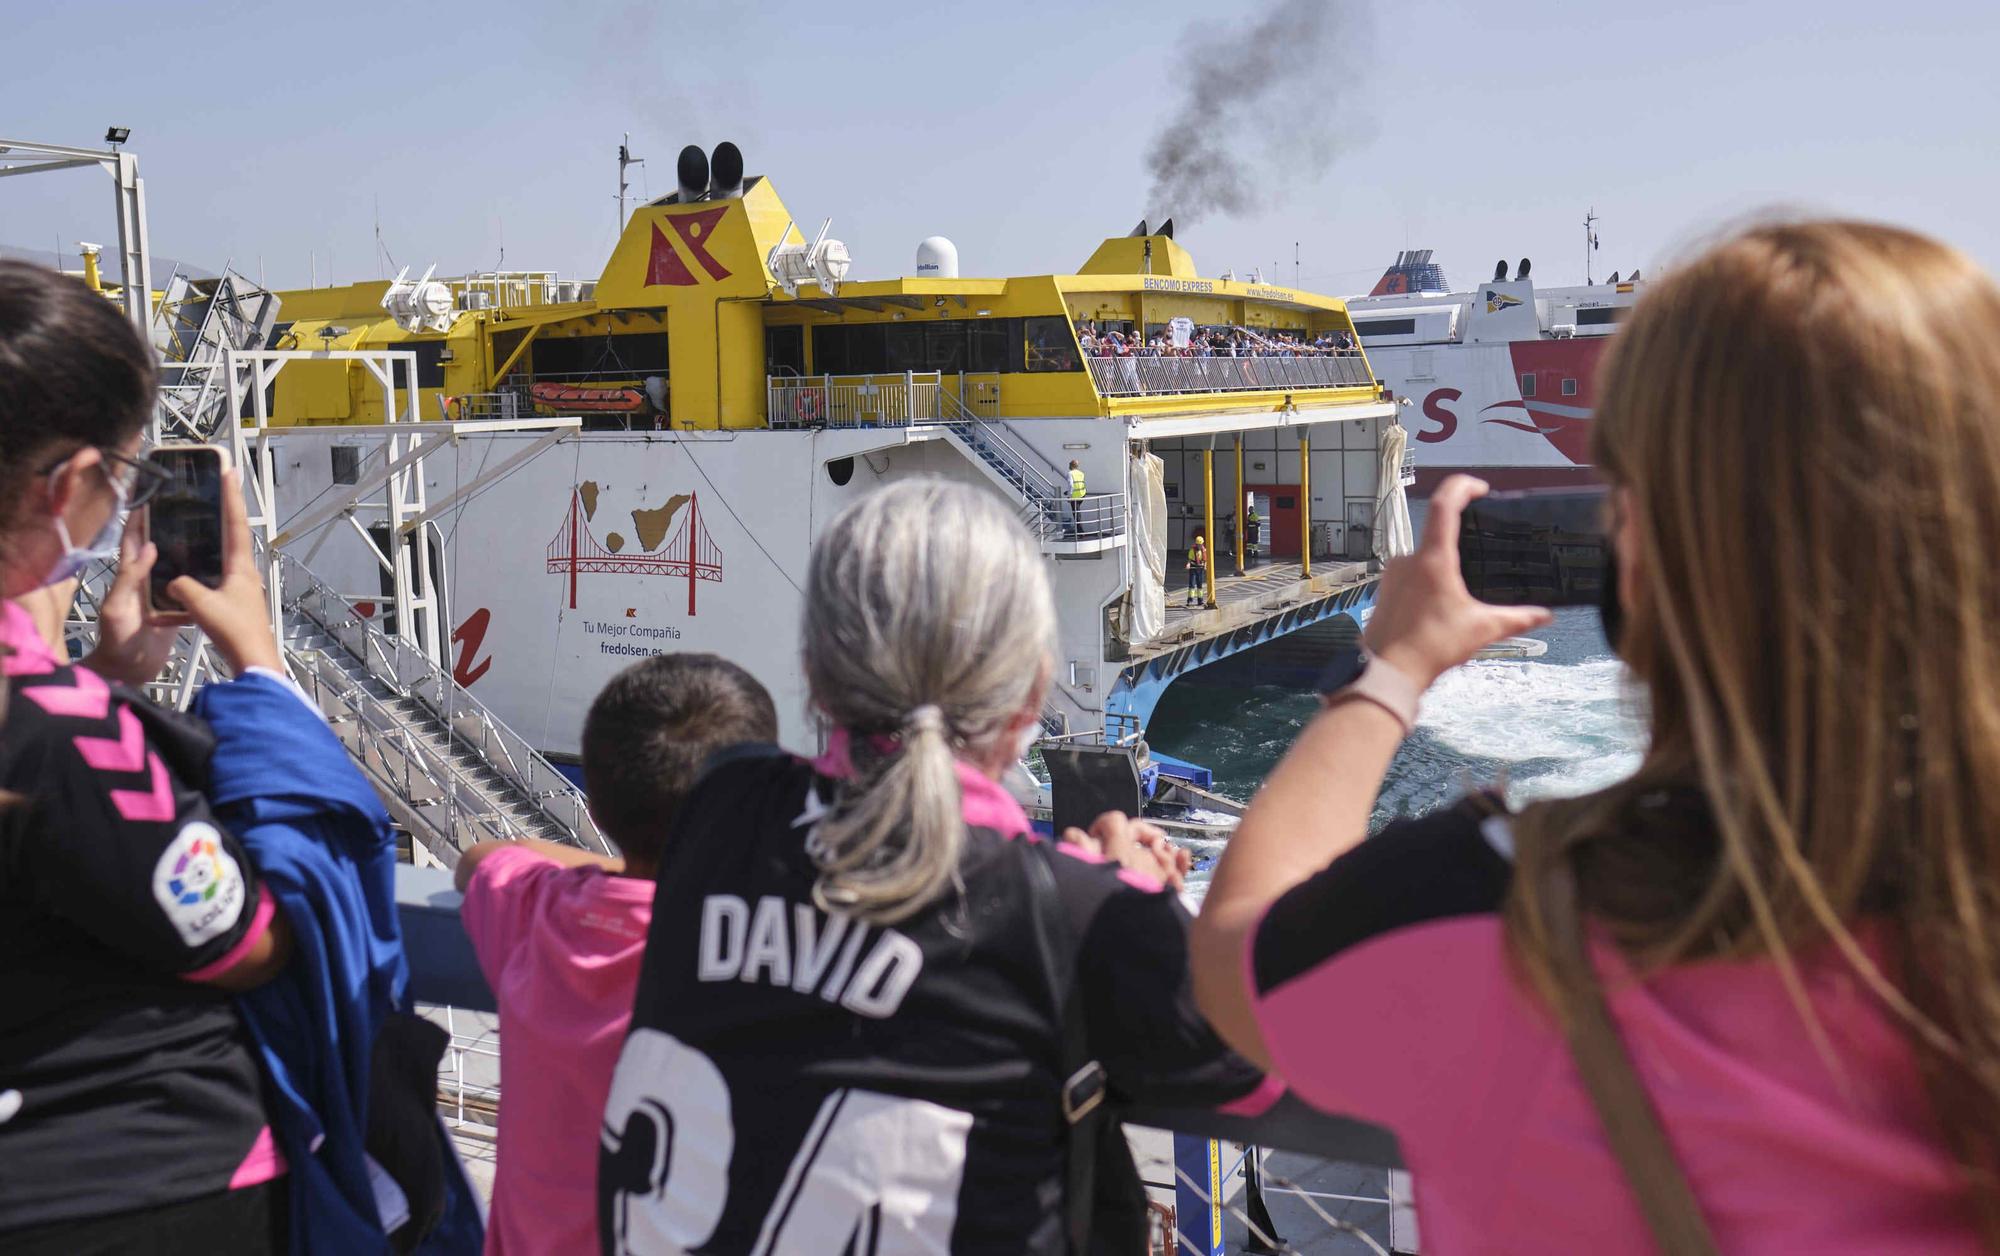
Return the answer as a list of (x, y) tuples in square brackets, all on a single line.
[(1747, 1000), (132, 1116)]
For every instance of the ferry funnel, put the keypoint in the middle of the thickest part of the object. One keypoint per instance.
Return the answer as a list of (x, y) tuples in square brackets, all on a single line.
[(692, 170), (725, 171)]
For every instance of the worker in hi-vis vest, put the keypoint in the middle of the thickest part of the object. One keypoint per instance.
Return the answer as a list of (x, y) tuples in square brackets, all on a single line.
[(1197, 564), (1076, 494), (1251, 526)]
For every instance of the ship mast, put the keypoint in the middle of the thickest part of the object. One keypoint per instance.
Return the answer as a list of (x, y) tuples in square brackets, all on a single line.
[(625, 158), (1589, 241)]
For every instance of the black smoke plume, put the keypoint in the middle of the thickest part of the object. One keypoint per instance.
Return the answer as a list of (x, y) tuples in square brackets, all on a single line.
[(1264, 97)]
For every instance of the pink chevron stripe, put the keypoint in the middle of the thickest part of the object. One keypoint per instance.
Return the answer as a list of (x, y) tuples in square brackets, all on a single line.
[(89, 698), (156, 803), (20, 663), (126, 754)]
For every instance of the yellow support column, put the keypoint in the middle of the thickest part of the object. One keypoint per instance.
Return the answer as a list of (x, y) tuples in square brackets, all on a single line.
[(1305, 504), (1237, 509), (1208, 517)]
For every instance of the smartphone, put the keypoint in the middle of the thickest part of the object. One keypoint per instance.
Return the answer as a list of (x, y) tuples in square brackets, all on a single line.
[(1539, 547), (184, 519)]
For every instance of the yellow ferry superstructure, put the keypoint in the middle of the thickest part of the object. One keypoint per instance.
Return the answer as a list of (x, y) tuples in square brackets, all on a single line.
[(735, 388)]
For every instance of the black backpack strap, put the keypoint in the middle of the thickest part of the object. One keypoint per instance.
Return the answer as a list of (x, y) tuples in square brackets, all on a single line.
[(1084, 1082)]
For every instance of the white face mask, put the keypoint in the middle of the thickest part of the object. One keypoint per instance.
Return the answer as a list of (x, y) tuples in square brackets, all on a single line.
[(1029, 736), (104, 546)]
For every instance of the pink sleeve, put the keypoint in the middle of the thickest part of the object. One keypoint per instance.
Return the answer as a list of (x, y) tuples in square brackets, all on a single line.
[(1408, 1030), (500, 903)]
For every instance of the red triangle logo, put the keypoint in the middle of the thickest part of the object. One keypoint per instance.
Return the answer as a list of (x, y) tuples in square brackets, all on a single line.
[(665, 265), (695, 230)]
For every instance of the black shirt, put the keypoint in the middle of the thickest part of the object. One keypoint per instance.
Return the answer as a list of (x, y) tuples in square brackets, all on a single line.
[(124, 1084), (794, 1080)]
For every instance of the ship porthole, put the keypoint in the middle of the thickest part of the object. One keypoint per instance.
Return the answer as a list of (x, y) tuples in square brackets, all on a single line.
[(840, 470)]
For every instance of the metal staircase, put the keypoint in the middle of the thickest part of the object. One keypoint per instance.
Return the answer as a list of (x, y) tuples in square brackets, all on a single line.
[(199, 322), (1051, 515), (450, 772)]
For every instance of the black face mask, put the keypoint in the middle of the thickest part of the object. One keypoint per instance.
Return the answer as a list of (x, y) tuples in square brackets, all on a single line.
[(1610, 611)]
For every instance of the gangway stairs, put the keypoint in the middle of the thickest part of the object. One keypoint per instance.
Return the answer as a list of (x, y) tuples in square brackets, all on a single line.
[(1061, 524), (450, 772), (199, 321)]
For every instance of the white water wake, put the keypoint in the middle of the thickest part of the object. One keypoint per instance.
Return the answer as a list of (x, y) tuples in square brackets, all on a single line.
[(1556, 730)]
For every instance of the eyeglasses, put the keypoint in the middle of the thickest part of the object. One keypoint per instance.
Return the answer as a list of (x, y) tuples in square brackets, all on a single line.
[(135, 480), (143, 480)]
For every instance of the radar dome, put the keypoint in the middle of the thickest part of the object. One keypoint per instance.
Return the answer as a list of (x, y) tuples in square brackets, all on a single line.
[(937, 258)]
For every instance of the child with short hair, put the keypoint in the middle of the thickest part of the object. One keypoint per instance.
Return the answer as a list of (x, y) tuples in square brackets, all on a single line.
[(559, 933)]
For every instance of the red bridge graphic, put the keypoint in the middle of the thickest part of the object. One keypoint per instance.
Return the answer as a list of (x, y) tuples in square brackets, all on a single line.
[(689, 552)]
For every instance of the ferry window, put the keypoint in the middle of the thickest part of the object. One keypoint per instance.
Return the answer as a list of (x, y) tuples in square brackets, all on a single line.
[(944, 346), (1528, 385), (993, 344), (784, 350), (346, 464), (628, 356), (504, 344), (430, 362), (903, 347), (1602, 314), (1050, 345), (1569, 388), (1385, 326)]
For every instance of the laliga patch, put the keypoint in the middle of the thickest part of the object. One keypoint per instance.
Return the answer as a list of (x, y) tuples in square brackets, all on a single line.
[(199, 886)]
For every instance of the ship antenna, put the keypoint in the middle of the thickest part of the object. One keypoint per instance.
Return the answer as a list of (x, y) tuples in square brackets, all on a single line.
[(1589, 241), (625, 158), (380, 248)]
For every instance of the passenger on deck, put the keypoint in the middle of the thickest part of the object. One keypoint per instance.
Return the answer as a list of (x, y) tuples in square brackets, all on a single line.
[(868, 979), (559, 932), (132, 1113), (1792, 905)]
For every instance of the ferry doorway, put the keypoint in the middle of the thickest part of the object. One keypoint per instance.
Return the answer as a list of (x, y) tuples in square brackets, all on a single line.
[(1277, 507), (784, 351)]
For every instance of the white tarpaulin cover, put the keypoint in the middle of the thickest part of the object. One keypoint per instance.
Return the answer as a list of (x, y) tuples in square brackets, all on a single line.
[(1149, 547), (1393, 538)]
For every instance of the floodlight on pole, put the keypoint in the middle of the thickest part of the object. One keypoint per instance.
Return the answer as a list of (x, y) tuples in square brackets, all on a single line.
[(117, 135)]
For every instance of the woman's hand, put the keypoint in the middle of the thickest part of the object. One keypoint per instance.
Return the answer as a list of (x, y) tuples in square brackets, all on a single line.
[(1425, 621), (1134, 844), (236, 616), (133, 641)]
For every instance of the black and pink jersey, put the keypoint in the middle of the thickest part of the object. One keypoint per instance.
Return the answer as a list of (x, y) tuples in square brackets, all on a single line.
[(125, 1082), (800, 1082), (1384, 991)]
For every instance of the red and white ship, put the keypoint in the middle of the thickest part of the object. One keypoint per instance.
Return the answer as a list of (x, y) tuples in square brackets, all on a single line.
[(1499, 378)]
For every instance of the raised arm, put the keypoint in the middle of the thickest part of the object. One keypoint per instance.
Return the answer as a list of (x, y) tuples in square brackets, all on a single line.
[(1315, 805)]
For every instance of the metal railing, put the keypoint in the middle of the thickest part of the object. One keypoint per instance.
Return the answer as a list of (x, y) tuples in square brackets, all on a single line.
[(1150, 376), (854, 400), (430, 778), (1048, 510)]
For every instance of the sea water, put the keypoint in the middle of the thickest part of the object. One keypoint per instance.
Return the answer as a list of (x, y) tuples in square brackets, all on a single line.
[(1559, 725)]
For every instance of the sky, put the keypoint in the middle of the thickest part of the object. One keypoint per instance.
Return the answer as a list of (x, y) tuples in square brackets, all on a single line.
[(275, 137)]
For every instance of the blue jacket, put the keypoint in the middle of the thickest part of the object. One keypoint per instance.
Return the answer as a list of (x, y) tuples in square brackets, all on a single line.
[(283, 783)]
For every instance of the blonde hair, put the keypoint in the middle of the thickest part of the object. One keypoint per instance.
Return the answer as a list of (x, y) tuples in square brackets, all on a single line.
[(928, 627), (1804, 422)]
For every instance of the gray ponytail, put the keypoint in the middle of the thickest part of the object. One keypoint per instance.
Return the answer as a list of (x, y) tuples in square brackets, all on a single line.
[(928, 623)]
